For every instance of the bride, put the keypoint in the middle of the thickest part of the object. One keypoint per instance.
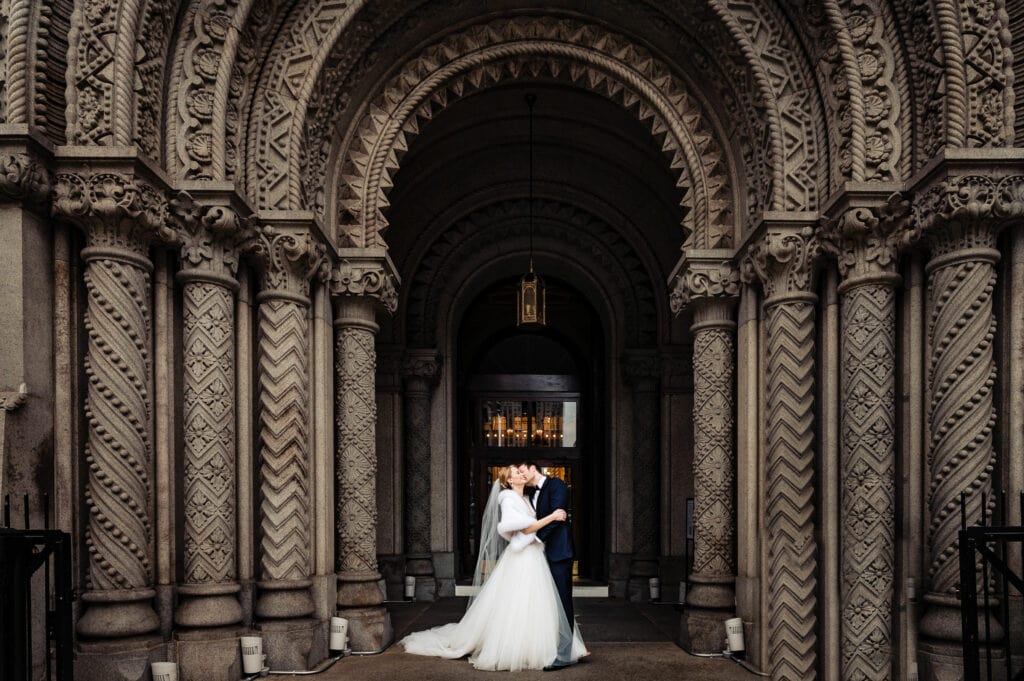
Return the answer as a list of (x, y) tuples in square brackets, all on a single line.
[(516, 620)]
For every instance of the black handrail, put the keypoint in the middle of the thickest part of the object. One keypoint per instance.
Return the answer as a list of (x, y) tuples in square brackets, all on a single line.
[(22, 553), (976, 548)]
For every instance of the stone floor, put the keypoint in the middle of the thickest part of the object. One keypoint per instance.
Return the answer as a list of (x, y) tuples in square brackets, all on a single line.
[(627, 641)]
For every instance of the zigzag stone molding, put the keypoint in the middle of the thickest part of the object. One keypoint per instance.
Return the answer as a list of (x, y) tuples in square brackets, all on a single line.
[(494, 52), (783, 261), (288, 260)]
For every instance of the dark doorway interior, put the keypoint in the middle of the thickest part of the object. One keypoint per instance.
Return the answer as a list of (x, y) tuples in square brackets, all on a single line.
[(533, 395)]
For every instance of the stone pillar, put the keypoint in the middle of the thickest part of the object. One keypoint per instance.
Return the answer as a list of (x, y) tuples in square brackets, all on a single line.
[(642, 369), (783, 262), (287, 259), (960, 218), (421, 370), (208, 594), (358, 285), (122, 215), (866, 241), (711, 288)]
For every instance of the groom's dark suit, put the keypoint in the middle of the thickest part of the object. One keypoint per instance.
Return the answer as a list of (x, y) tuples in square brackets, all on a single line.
[(557, 538)]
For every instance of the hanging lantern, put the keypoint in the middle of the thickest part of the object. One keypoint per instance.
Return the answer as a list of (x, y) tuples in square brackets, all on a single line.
[(531, 301)]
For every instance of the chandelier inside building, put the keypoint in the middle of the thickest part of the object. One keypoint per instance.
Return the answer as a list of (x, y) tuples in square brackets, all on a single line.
[(531, 301)]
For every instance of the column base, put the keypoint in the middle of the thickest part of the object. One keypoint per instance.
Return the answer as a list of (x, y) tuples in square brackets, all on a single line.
[(369, 629), (118, 614), (944, 661), (123, 660), (208, 605), (209, 654), (702, 630), (284, 599), (710, 593), (419, 565), (426, 590), (359, 591), (293, 645)]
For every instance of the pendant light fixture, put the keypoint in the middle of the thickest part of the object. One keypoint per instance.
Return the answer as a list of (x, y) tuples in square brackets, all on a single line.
[(531, 303)]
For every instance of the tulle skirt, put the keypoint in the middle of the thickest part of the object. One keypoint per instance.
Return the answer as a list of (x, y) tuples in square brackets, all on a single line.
[(512, 623)]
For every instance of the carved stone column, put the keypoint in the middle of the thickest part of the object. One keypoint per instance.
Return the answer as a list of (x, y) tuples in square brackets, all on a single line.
[(960, 217), (711, 287), (421, 371), (643, 369), (783, 260), (121, 215), (287, 260), (865, 240), (209, 237), (358, 285)]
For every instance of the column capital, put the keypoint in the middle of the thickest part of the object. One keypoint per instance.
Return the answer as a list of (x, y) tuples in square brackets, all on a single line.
[(366, 272), (25, 158), (121, 206), (210, 236), (781, 256), (423, 365), (288, 258), (703, 276), (866, 234), (967, 211)]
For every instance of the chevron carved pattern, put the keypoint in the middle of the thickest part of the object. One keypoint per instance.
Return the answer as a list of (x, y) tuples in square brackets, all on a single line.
[(117, 365), (284, 403), (713, 465), (792, 553), (868, 456), (961, 375), (209, 373), (356, 401)]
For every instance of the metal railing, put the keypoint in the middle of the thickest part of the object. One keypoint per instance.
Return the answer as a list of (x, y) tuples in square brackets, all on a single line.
[(22, 553), (990, 548)]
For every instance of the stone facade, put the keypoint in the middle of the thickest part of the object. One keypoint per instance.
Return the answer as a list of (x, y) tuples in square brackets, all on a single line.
[(231, 207)]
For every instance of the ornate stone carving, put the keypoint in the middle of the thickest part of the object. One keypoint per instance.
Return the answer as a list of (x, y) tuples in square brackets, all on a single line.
[(482, 55), (11, 400), (121, 215), (149, 49), (371, 276), (705, 278), (783, 260), (714, 457), (866, 240), (422, 369), (22, 178), (287, 260), (209, 237), (642, 370)]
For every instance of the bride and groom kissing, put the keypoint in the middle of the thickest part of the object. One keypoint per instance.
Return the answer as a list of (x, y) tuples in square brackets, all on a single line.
[(521, 616)]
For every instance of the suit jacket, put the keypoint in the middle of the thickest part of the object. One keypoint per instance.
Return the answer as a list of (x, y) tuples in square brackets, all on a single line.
[(557, 536)]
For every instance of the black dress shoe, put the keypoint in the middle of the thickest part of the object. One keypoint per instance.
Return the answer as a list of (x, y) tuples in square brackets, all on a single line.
[(556, 666)]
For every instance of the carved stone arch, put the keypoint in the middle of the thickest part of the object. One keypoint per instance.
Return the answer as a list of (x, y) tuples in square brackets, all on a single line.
[(482, 55), (498, 230)]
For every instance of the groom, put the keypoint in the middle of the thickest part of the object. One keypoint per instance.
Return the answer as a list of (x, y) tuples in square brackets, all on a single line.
[(551, 494)]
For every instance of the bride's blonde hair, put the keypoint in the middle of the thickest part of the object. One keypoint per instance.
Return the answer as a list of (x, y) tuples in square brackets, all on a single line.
[(505, 476)]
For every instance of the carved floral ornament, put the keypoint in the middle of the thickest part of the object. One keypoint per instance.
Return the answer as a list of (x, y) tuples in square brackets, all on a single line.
[(782, 261), (23, 179), (868, 239), (967, 211), (210, 237), (704, 280), (117, 209), (422, 365), (370, 278), (288, 260)]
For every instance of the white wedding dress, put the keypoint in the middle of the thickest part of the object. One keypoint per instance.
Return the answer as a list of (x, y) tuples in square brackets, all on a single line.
[(513, 622)]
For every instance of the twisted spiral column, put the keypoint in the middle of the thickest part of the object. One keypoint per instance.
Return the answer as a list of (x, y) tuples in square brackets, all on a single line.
[(421, 371), (783, 261), (961, 413)]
